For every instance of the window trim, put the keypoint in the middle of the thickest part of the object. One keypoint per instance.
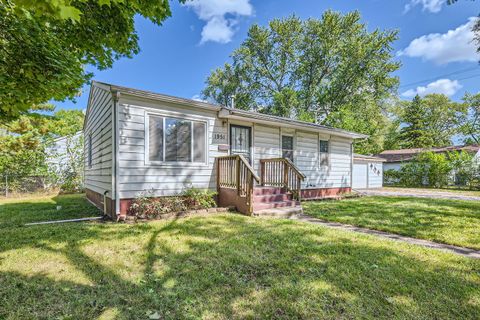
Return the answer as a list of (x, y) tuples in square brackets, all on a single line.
[(282, 134), (327, 153), (164, 163)]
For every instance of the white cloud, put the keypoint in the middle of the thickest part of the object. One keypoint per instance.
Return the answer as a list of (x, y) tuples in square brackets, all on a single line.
[(441, 48), (198, 97), (433, 6), (445, 86), (220, 16)]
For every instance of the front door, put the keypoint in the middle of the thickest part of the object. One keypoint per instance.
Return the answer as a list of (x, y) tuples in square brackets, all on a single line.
[(241, 141)]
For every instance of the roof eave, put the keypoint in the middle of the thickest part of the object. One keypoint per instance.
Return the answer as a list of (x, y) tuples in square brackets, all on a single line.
[(165, 98), (287, 123)]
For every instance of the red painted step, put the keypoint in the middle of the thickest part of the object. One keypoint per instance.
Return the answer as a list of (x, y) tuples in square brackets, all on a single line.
[(257, 191), (272, 198), (275, 204)]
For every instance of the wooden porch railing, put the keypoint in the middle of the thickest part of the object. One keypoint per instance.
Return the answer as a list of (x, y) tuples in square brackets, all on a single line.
[(281, 172), (234, 172)]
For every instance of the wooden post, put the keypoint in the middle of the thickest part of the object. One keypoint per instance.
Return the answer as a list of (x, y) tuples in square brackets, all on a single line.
[(262, 173), (285, 175), (218, 176), (299, 189), (250, 194), (238, 175)]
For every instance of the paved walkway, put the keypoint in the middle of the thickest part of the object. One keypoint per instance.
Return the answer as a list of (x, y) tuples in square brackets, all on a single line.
[(466, 252), (420, 193)]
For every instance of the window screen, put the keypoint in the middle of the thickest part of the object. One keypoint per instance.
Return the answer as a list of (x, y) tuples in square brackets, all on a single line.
[(323, 152), (155, 142), (287, 147), (199, 132), (178, 140)]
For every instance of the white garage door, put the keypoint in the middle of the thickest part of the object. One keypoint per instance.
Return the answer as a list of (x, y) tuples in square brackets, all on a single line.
[(359, 175)]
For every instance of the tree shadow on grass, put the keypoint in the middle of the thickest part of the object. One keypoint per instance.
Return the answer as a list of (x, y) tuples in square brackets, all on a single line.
[(439, 220), (229, 266), (17, 212)]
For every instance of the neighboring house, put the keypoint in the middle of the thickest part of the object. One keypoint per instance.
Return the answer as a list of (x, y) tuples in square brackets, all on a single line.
[(367, 172), (395, 159), (57, 151), (138, 141)]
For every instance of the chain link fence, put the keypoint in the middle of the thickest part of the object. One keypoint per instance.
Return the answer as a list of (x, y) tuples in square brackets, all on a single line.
[(13, 185)]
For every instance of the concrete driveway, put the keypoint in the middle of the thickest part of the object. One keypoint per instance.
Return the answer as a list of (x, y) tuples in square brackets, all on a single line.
[(420, 193)]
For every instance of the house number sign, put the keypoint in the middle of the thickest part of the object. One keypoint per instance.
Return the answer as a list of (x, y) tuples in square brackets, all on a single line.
[(219, 138)]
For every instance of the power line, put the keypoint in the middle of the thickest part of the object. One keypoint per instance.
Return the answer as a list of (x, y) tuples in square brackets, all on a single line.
[(439, 77), (474, 76)]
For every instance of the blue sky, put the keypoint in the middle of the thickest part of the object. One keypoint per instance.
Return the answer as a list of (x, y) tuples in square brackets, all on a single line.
[(177, 57)]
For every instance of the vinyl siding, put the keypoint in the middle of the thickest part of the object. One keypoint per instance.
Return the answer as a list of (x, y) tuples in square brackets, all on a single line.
[(137, 175), (306, 157), (374, 177), (266, 144), (336, 174), (98, 176)]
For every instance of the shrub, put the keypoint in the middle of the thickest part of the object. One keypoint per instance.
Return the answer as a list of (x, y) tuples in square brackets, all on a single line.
[(391, 177), (199, 199), (437, 170), (145, 205)]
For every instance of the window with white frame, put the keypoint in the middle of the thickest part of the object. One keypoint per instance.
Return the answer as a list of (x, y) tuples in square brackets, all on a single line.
[(173, 140), (323, 152), (287, 147)]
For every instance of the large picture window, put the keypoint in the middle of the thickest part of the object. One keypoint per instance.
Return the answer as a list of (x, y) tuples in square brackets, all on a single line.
[(176, 140)]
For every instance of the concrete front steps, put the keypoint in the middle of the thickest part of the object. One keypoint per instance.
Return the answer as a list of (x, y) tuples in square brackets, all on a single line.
[(275, 202)]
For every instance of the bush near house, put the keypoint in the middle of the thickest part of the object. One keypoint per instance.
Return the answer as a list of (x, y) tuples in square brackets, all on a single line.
[(437, 170), (146, 206)]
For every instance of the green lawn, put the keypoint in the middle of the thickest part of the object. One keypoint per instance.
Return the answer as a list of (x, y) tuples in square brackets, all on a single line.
[(448, 221), (464, 192), (16, 212), (222, 267)]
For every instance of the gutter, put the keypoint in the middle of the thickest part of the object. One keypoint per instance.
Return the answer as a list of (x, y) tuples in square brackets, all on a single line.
[(115, 151), (228, 113)]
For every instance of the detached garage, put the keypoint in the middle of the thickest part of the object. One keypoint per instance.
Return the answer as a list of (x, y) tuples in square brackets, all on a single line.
[(367, 172)]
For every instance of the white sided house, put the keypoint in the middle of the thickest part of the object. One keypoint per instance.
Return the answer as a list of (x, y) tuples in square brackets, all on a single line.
[(137, 141)]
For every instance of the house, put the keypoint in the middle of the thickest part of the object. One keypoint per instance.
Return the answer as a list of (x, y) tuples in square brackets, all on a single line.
[(395, 159), (137, 140), (367, 172), (59, 151)]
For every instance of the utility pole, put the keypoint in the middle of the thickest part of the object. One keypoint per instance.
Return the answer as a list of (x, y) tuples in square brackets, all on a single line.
[(232, 104)]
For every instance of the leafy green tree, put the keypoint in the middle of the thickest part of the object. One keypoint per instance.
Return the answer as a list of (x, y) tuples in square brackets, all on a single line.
[(414, 133), (430, 121), (23, 141), (426, 169), (327, 71), (471, 125), (46, 44)]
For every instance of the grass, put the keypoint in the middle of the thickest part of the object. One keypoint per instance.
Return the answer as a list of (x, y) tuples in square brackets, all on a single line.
[(464, 192), (18, 211), (454, 222), (225, 266)]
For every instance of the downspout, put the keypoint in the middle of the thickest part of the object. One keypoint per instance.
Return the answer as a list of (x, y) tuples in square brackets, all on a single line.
[(351, 166), (105, 213), (116, 98)]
